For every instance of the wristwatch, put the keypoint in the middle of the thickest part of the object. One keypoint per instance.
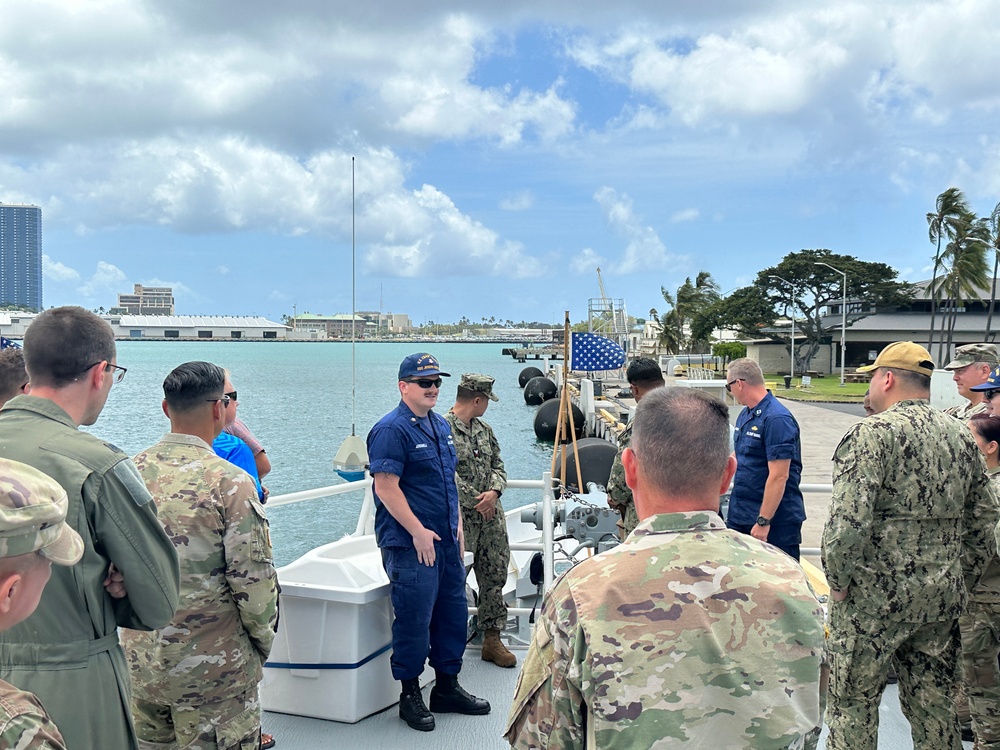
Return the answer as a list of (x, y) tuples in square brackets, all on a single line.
[(762, 521)]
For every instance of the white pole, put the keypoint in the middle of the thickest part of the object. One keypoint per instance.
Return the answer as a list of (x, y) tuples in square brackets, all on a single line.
[(843, 319), (843, 332)]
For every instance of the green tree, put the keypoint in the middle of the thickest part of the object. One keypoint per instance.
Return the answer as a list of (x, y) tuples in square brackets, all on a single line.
[(690, 301), (994, 242), (964, 272), (949, 208), (811, 288), (729, 350)]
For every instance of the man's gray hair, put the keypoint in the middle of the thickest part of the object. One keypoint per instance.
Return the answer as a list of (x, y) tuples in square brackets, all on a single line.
[(680, 437), (746, 369)]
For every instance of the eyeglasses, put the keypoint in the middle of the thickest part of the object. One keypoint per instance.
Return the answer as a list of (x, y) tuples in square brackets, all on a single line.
[(232, 395), (991, 393), (224, 400), (118, 376), (426, 383), (729, 385)]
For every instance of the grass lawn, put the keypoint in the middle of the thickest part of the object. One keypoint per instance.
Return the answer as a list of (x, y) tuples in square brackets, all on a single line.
[(821, 389)]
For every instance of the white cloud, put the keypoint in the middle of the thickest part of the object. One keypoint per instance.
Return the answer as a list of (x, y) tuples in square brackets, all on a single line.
[(519, 201), (586, 262), (222, 270), (429, 236), (277, 295), (687, 214), (644, 249), (107, 281), (53, 270)]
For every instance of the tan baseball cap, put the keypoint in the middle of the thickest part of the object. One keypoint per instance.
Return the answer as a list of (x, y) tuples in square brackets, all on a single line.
[(903, 355), (33, 515)]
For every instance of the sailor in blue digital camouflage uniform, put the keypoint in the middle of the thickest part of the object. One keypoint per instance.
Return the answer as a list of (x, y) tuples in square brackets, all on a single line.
[(419, 530), (765, 502)]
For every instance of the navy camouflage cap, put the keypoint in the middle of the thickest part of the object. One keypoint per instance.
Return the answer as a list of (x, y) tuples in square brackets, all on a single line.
[(32, 515), (473, 381), (992, 382), (421, 365), (972, 353)]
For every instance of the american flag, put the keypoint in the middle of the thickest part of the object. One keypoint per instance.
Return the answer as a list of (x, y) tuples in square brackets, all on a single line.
[(592, 352), (5, 342)]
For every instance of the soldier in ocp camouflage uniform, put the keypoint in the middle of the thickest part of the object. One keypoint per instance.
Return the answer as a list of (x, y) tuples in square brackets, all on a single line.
[(971, 367), (688, 634), (643, 375), (195, 680), (481, 482), (909, 534), (33, 535)]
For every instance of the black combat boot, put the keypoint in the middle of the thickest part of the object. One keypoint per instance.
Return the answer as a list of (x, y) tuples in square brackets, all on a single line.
[(448, 697), (412, 709)]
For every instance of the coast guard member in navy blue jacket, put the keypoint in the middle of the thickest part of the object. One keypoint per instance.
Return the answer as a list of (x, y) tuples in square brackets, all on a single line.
[(419, 530), (765, 502)]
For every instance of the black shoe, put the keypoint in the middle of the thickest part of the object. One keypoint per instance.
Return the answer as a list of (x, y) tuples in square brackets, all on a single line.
[(448, 697), (412, 709), (893, 678)]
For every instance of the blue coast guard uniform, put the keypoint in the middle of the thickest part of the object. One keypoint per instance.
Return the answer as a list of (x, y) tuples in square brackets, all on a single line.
[(429, 602), (767, 432)]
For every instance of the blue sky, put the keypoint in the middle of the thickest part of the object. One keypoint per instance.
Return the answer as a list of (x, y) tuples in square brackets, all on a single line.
[(502, 154)]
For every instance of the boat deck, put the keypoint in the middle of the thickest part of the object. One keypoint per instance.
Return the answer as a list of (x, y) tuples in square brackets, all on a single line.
[(455, 732)]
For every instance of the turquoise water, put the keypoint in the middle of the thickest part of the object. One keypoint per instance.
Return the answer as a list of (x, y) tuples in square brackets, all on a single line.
[(296, 397)]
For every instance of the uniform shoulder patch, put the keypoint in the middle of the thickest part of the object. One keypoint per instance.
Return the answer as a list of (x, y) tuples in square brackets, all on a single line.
[(130, 477)]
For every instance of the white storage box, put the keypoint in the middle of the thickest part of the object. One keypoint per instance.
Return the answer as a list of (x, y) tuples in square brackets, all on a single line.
[(330, 658)]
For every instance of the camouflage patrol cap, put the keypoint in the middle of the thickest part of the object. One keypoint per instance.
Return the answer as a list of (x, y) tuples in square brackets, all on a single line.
[(903, 355), (992, 383), (473, 381), (972, 353), (32, 515)]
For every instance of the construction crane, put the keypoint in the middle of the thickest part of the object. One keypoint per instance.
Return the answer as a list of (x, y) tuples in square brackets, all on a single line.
[(607, 316)]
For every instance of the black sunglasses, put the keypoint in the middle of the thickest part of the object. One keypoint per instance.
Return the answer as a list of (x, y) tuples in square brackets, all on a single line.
[(426, 383), (729, 385), (232, 395), (991, 393)]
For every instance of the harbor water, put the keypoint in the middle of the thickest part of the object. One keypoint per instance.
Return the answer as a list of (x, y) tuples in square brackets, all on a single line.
[(296, 397)]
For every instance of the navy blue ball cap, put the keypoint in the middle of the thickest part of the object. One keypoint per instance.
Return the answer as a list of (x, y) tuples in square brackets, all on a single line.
[(992, 382), (421, 366)]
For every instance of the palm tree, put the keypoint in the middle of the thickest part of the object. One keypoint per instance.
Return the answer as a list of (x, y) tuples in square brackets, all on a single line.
[(949, 209), (966, 271), (994, 240), (690, 299)]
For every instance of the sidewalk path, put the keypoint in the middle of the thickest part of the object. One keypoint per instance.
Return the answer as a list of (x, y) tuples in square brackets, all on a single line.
[(821, 430)]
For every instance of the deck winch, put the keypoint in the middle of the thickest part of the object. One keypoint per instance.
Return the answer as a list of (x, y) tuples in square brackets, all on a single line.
[(591, 522)]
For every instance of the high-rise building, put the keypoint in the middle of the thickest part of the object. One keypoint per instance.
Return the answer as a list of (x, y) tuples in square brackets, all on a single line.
[(21, 255), (148, 300)]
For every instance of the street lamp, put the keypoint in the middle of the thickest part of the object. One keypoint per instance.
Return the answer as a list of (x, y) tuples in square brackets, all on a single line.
[(843, 319), (773, 276)]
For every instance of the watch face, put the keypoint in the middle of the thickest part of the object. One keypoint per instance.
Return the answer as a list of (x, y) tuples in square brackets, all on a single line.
[(761, 521)]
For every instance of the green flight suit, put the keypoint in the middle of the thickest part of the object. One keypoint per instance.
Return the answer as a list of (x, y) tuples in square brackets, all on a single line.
[(67, 653)]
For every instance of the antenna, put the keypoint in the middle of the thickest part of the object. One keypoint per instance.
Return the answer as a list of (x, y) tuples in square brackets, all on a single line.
[(352, 458)]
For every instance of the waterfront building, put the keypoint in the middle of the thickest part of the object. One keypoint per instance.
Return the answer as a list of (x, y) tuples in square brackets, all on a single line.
[(21, 255), (147, 300), (202, 327), (336, 326)]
